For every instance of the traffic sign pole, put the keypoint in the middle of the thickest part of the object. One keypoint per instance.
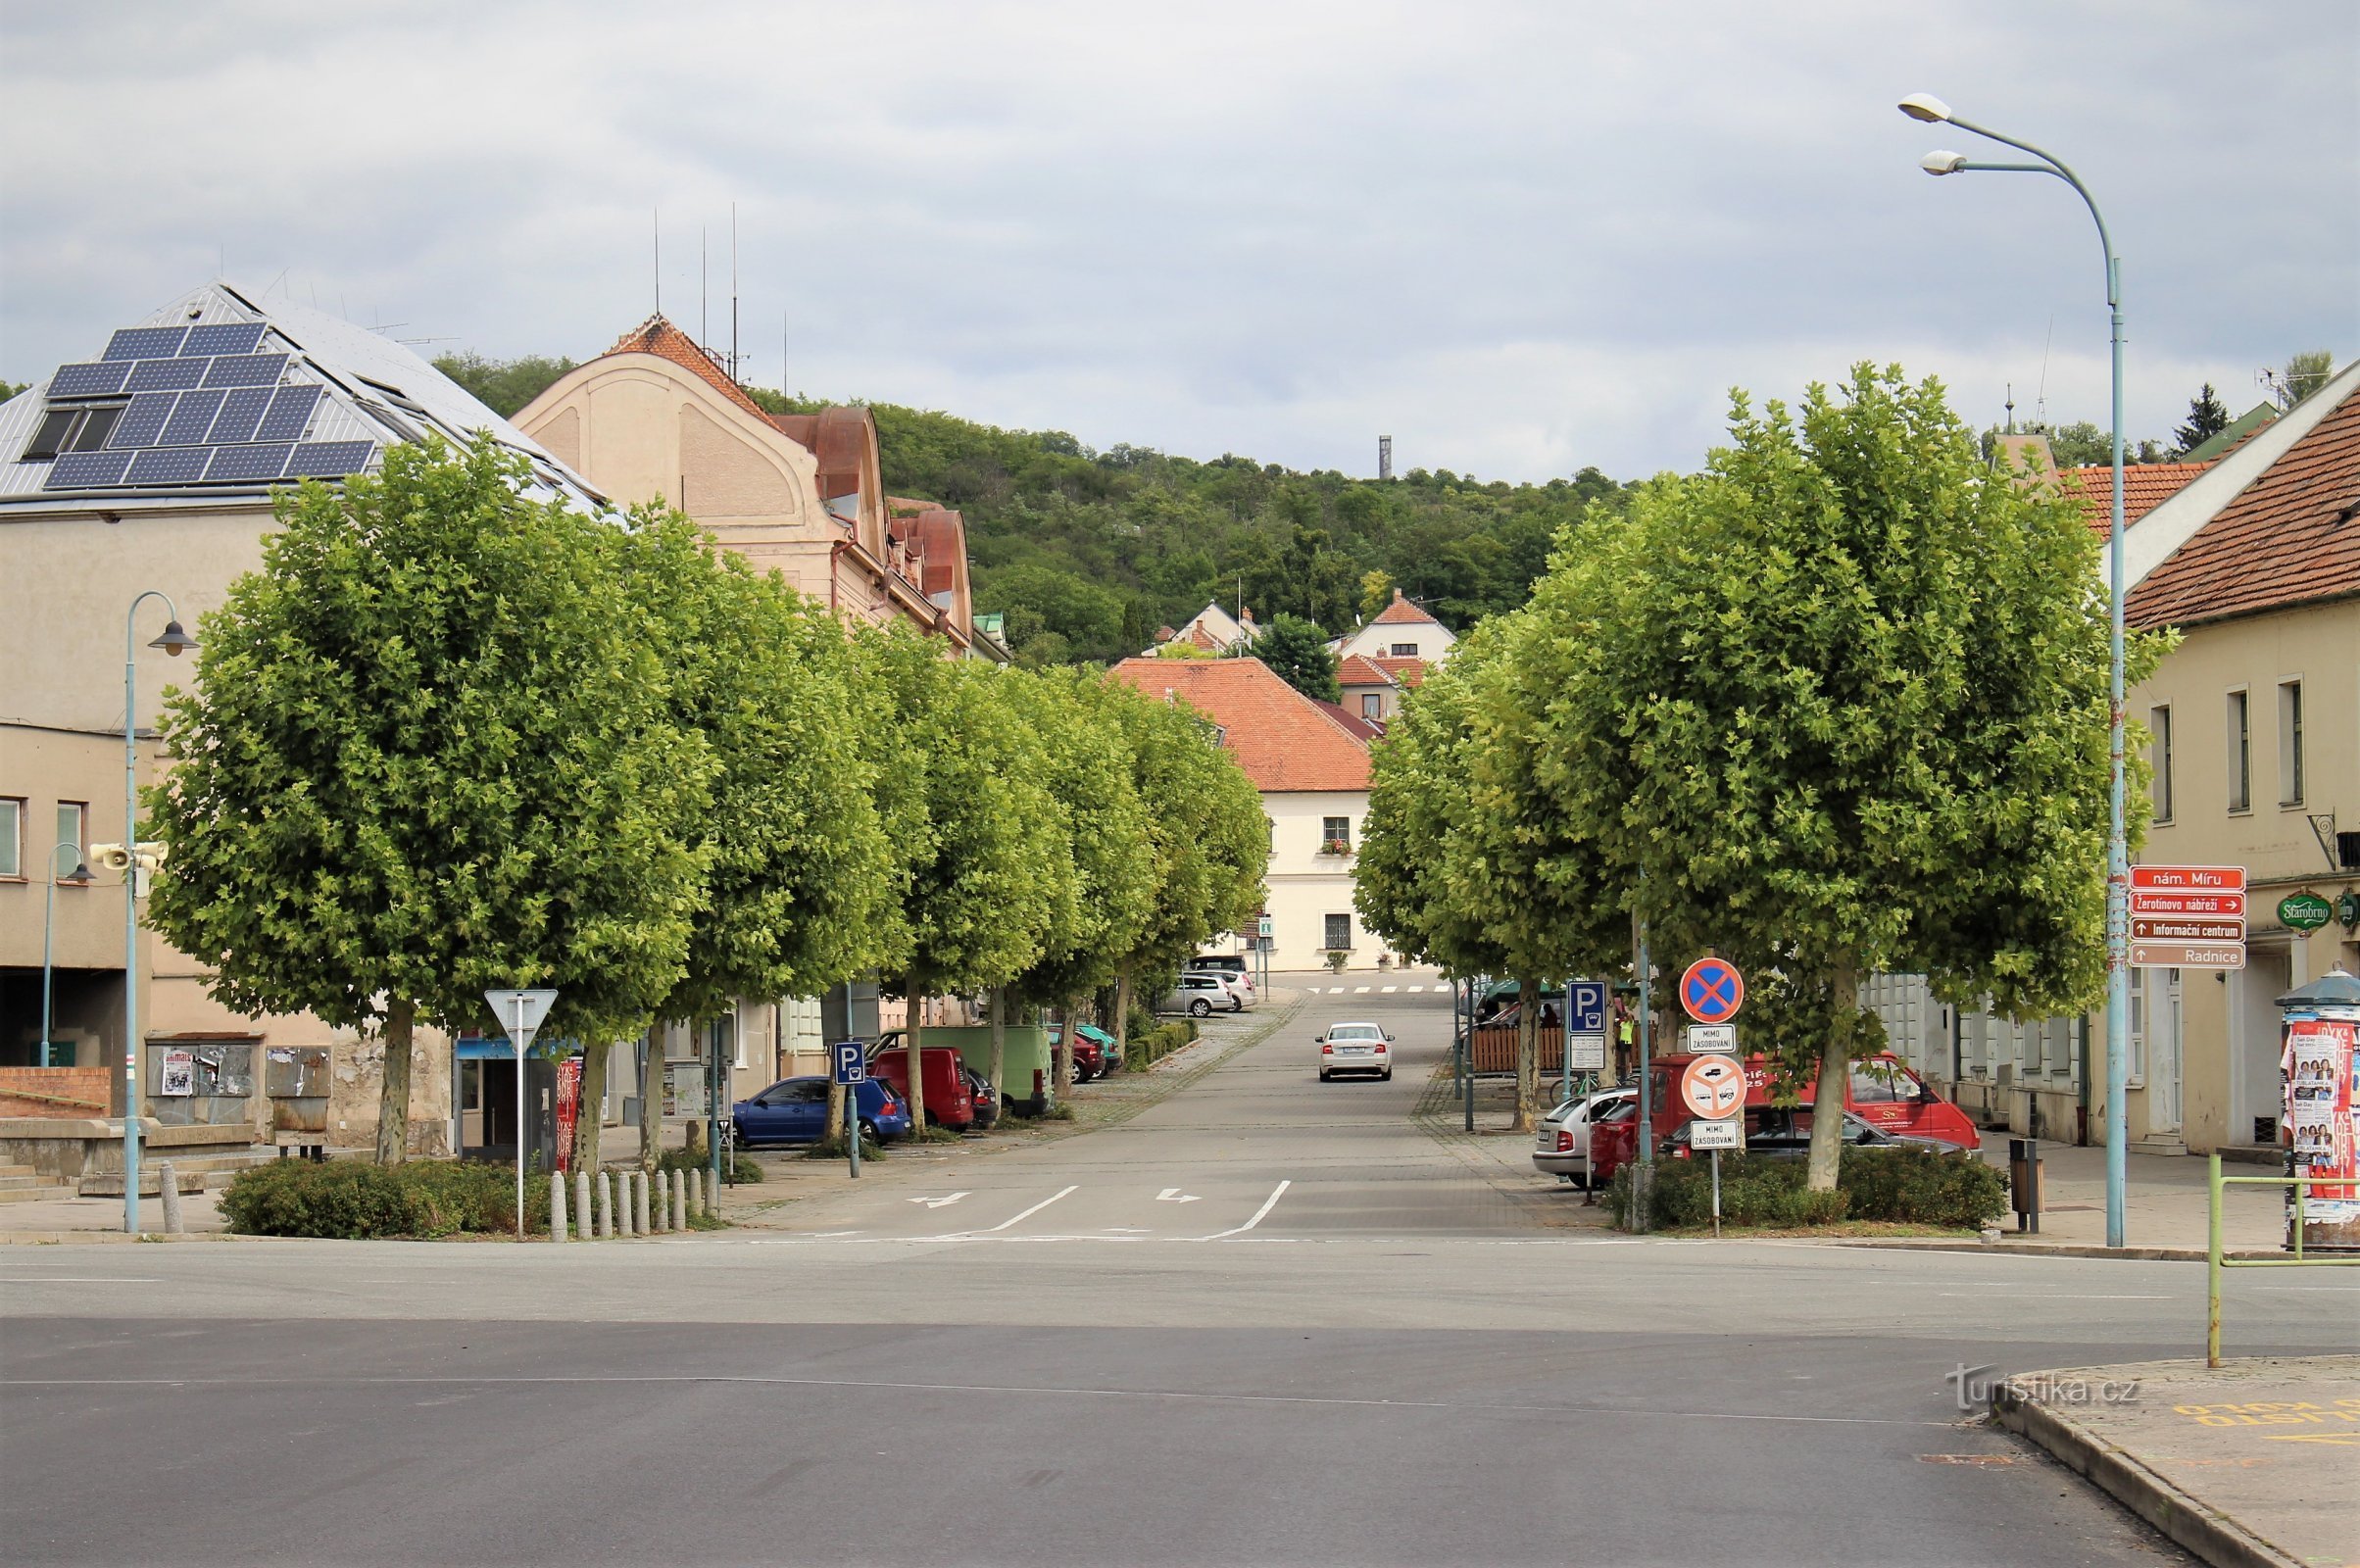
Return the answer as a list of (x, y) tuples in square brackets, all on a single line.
[(850, 1069), (520, 1013)]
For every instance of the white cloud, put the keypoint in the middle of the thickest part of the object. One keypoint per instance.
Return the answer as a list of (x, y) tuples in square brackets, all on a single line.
[(1518, 239)]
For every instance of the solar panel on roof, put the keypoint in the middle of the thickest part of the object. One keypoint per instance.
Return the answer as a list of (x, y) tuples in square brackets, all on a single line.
[(246, 369), (191, 420), (170, 466), (79, 471), (88, 380), (250, 463), (167, 375), (144, 343), (241, 412), (229, 337), (143, 420), (291, 410), (329, 460)]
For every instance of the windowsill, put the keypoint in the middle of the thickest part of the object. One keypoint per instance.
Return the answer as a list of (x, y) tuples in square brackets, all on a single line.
[(2290, 806), (2160, 822), (20, 881), (2240, 811)]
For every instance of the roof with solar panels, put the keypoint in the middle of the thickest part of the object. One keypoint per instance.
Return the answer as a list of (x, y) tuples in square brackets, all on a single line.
[(219, 397)]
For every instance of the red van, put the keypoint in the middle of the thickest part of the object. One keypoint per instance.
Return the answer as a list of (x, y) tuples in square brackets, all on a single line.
[(1883, 1092), (950, 1102)]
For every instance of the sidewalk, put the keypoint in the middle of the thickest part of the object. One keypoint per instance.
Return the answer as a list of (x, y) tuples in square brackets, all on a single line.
[(2256, 1464)]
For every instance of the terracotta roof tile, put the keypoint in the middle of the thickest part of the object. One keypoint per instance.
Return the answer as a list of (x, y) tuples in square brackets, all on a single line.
[(1367, 730), (1407, 673), (2291, 537), (2145, 486), (657, 337), (1357, 669), (1402, 612), (1284, 740)]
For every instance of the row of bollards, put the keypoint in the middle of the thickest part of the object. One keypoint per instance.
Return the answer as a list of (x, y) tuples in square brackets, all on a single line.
[(649, 1203)]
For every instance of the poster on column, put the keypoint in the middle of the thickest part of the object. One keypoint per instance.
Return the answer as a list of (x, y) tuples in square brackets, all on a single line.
[(569, 1107), (2323, 1125)]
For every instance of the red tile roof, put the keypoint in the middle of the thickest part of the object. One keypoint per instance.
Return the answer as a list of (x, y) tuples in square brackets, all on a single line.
[(1357, 669), (2145, 486), (2291, 537), (657, 337), (1402, 612), (1407, 673), (1285, 741), (1368, 729)]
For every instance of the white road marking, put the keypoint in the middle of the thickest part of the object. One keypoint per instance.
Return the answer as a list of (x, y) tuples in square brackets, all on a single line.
[(77, 1279), (1030, 1212), (1388, 990), (1334, 990), (1974, 1296), (937, 1202), (1173, 1194), (1269, 1204), (1415, 989), (1360, 990)]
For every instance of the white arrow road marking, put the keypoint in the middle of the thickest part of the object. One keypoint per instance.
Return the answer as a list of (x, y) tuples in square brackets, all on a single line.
[(1269, 1204), (1030, 1212), (937, 1202), (1173, 1194)]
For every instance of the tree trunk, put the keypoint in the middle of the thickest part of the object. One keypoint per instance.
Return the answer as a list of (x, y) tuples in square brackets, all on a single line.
[(1122, 1015), (1061, 1054), (393, 1092), (1834, 1077), (587, 1124), (651, 1100), (999, 1043), (917, 1062), (1528, 1037)]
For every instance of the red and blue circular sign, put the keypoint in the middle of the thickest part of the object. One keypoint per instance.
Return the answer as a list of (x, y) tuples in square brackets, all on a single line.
[(1712, 991)]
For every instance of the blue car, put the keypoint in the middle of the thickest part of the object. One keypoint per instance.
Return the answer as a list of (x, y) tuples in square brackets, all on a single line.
[(794, 1111)]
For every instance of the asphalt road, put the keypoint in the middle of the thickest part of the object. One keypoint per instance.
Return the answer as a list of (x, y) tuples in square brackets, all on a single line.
[(1393, 1363)]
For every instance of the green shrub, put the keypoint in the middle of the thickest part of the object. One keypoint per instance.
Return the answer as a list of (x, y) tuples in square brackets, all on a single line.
[(354, 1200), (1150, 1046), (696, 1159), (1904, 1186)]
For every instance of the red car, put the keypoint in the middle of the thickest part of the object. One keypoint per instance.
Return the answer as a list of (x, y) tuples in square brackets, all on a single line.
[(1883, 1091), (950, 1102)]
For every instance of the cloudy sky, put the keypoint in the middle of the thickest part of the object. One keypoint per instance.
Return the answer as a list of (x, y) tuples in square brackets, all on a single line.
[(1518, 239)]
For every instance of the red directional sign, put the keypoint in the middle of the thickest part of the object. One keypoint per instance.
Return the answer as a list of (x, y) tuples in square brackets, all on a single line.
[(1713, 990), (2188, 917), (2230, 906), (2170, 930), (2189, 878)]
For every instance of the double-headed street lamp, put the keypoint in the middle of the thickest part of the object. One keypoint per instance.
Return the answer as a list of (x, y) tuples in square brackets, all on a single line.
[(1924, 107), (80, 876), (174, 642)]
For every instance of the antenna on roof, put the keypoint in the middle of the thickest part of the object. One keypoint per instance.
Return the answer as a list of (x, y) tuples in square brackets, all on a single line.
[(704, 287), (656, 229), (2011, 408), (2040, 393), (733, 295)]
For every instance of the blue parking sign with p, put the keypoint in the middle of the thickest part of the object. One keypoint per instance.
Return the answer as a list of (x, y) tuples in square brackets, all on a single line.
[(1588, 1011), (851, 1067)]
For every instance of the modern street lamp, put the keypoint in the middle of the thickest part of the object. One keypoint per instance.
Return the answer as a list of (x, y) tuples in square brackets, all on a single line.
[(174, 642), (1933, 111), (80, 876)]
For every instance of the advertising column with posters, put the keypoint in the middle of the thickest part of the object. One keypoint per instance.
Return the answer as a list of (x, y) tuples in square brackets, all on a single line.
[(569, 1107), (2323, 1111)]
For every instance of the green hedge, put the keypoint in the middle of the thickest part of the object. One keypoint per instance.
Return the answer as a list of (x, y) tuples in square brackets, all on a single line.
[(1150, 1046), (1907, 1186), (355, 1201), (684, 1159)]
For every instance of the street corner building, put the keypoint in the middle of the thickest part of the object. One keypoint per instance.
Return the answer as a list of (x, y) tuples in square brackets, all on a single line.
[(149, 465)]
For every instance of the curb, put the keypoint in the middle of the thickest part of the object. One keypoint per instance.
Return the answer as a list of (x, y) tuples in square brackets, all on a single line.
[(2211, 1535), (2143, 1254)]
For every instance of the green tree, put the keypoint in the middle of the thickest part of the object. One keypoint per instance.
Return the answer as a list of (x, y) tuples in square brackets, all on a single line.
[(2303, 375), (431, 750), (502, 385), (2206, 418), (1297, 652), (1841, 703), (800, 879), (9, 389)]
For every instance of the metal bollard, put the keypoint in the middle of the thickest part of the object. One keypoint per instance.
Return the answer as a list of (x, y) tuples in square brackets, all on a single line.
[(639, 1202), (679, 1201), (557, 1208), (167, 1186), (2024, 1182), (581, 1205)]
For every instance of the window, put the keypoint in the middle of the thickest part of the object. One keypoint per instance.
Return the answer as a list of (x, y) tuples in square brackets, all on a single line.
[(73, 819), (1339, 933), (1403, 651), (2290, 743), (2240, 754), (1335, 834), (12, 838), (1372, 705), (71, 429), (2160, 755)]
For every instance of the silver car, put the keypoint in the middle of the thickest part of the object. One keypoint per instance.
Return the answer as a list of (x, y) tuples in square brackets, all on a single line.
[(1198, 994), (1561, 1146)]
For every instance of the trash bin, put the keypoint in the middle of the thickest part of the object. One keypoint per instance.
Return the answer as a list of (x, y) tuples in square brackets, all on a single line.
[(2024, 1182)]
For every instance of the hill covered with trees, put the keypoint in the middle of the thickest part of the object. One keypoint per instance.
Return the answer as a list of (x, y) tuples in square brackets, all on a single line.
[(1088, 553)]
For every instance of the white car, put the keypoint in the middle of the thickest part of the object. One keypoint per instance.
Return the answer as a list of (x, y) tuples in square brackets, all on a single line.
[(1236, 987), (1561, 1146), (1354, 1048)]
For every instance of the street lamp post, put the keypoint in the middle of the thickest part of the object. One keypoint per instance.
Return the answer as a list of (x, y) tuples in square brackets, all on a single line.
[(174, 642), (80, 876), (1933, 111)]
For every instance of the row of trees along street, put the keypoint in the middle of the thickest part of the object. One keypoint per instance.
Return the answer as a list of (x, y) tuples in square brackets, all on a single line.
[(453, 737), (1837, 704)]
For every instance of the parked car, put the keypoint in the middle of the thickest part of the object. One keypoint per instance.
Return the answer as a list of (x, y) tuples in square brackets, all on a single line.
[(1094, 1053), (1561, 1147), (949, 1101), (1237, 987), (1229, 963), (1198, 994), (987, 1099), (1362, 1048), (794, 1111), (1783, 1132)]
